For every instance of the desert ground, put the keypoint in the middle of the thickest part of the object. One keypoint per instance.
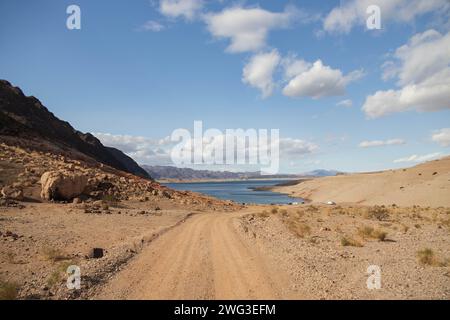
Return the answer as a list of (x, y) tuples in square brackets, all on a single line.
[(157, 243)]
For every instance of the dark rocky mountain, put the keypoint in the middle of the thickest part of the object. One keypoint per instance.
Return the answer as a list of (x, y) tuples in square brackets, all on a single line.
[(25, 117), (170, 172), (175, 173)]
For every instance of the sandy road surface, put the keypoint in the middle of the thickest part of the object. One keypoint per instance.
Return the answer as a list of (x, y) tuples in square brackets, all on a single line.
[(204, 258)]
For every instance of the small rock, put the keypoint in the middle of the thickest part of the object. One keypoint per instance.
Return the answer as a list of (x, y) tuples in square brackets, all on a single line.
[(95, 253)]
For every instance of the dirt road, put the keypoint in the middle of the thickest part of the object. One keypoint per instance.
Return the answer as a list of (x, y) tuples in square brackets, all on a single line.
[(204, 258)]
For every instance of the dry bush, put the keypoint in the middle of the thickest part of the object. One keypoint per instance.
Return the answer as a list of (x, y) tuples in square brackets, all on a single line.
[(347, 241), (263, 214), (300, 229), (59, 273), (312, 208), (427, 257), (274, 210), (380, 213), (446, 223), (369, 232), (54, 254), (8, 290)]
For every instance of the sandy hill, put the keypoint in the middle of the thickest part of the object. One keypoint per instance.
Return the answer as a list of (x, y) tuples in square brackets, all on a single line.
[(426, 184)]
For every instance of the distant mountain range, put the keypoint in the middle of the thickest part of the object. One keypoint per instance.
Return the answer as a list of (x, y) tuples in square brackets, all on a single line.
[(25, 118), (175, 173), (321, 173)]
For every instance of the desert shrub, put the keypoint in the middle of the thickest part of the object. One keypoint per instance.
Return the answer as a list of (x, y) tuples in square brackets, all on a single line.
[(365, 231), (300, 229), (380, 213), (369, 232), (350, 242), (274, 210), (427, 257), (312, 208), (59, 273), (379, 234), (110, 200), (263, 214), (8, 290), (54, 254)]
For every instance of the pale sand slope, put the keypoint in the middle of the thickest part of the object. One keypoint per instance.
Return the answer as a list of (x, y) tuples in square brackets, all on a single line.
[(426, 184)]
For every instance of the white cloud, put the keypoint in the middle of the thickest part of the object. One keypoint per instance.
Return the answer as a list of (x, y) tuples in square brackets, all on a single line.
[(379, 143), (345, 103), (142, 150), (158, 151), (291, 147), (343, 18), (294, 66), (247, 28), (442, 137), (258, 72), (152, 26), (319, 81), (424, 55), (423, 72), (416, 158), (181, 8)]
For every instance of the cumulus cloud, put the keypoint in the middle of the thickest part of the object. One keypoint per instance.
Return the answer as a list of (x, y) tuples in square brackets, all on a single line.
[(159, 151), (319, 81), (423, 70), (343, 18), (143, 150), (291, 147), (442, 137), (294, 66), (345, 103), (258, 72), (423, 56), (188, 9), (153, 26), (380, 143), (419, 158), (247, 28)]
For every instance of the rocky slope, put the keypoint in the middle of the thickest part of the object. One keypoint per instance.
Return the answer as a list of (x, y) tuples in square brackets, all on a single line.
[(26, 117)]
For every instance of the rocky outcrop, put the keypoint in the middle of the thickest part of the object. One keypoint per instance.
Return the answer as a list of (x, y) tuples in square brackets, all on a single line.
[(58, 185), (26, 117), (10, 192)]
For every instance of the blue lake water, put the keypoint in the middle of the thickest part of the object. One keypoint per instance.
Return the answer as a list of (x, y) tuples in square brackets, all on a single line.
[(238, 191)]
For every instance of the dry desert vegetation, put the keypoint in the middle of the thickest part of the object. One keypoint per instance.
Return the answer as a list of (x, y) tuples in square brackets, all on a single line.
[(135, 239)]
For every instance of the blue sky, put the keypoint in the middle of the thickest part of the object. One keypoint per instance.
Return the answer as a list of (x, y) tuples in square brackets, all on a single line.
[(139, 69)]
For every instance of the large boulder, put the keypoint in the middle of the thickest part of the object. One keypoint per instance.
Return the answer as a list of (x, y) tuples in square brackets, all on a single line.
[(62, 185)]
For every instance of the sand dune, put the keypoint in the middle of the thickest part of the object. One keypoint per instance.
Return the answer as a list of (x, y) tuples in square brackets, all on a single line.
[(426, 184)]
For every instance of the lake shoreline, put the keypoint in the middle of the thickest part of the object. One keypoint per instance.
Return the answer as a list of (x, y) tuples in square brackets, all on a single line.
[(257, 191), (162, 181)]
